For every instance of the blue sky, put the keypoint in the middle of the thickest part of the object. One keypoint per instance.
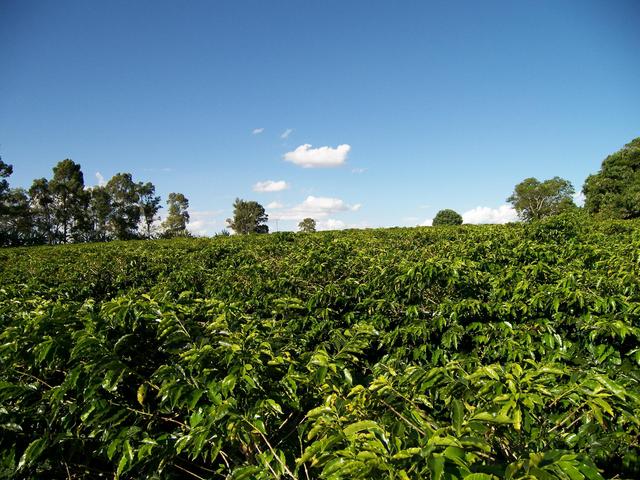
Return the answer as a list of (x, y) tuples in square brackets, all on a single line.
[(420, 105)]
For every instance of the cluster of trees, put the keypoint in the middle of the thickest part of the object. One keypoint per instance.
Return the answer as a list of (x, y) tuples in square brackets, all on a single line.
[(63, 209), (613, 192)]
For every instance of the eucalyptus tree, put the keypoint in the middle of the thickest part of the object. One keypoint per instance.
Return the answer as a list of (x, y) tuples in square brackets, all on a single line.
[(177, 216), (125, 210), (248, 217), (149, 204), (68, 195), (42, 211)]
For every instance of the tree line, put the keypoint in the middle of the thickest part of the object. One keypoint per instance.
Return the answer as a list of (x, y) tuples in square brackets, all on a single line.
[(613, 192), (63, 209)]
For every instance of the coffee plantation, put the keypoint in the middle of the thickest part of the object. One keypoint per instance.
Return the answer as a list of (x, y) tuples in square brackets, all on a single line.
[(471, 352)]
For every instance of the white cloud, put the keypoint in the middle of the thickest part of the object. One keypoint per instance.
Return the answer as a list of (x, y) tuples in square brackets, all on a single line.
[(358, 170), (315, 207), (321, 157), (270, 186), (331, 224), (286, 133), (427, 223), (101, 181), (203, 222), (257, 131), (502, 214), (274, 205), (578, 198)]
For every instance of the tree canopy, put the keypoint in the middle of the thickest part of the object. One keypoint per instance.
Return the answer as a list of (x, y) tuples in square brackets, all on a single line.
[(307, 225), (177, 217), (248, 217), (534, 200), (447, 217), (614, 192)]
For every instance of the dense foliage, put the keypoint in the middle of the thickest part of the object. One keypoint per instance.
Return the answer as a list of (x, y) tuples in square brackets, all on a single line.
[(447, 217), (614, 192), (65, 210), (535, 200), (462, 352)]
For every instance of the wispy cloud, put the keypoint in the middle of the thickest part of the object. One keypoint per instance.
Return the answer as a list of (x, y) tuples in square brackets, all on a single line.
[(321, 157), (257, 131), (502, 214), (204, 222), (286, 133), (101, 181), (275, 205), (315, 207), (271, 186), (358, 171)]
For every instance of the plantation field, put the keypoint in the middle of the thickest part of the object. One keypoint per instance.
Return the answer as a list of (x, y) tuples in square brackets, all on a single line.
[(472, 352)]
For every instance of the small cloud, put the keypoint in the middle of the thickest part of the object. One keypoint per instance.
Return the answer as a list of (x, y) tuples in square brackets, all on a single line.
[(502, 214), (274, 205), (356, 207), (286, 133), (101, 181), (203, 222), (358, 171), (578, 199), (270, 186), (331, 224), (315, 207), (427, 223), (424, 207), (321, 157), (257, 131)]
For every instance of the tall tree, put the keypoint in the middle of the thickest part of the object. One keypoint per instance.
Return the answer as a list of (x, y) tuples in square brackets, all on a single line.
[(149, 205), (42, 211), (67, 189), (447, 217), (99, 212), (307, 225), (5, 172), (15, 218), (534, 200), (177, 216), (248, 217), (614, 192), (125, 211)]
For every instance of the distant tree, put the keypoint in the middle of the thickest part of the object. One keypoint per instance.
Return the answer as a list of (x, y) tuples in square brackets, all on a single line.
[(5, 172), (149, 205), (614, 192), (534, 200), (125, 211), (175, 224), (447, 217), (15, 218), (42, 211), (67, 190), (222, 233), (99, 213), (248, 217), (307, 225)]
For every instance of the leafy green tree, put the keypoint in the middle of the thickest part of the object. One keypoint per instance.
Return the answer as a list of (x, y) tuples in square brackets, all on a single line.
[(99, 213), (307, 225), (248, 217), (534, 200), (42, 211), (175, 225), (447, 217), (149, 205), (614, 192), (15, 219), (67, 190), (125, 210), (5, 172)]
